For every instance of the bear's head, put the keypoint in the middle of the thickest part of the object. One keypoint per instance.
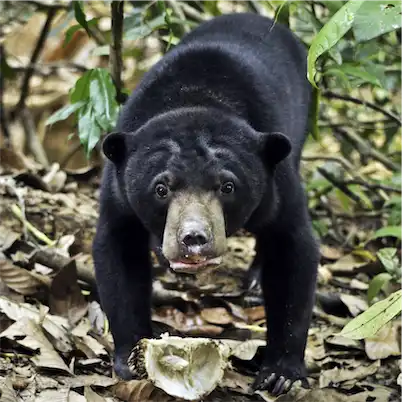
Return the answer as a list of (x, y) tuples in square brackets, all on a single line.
[(195, 176)]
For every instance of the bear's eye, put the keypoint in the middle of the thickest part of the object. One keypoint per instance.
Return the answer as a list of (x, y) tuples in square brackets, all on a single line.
[(227, 187), (161, 190)]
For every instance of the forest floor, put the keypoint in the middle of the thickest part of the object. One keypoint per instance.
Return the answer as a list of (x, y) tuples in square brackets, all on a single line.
[(55, 343)]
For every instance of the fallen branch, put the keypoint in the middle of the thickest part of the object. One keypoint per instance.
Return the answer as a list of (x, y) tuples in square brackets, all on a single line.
[(333, 95), (367, 149), (341, 186), (36, 232)]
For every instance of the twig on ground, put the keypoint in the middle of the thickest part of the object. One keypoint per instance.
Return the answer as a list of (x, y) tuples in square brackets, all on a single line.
[(373, 186), (338, 159), (15, 209), (366, 149), (333, 95), (354, 216), (341, 186), (70, 154)]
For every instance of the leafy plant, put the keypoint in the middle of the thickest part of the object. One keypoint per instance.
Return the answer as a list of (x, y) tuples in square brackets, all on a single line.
[(390, 261), (92, 100)]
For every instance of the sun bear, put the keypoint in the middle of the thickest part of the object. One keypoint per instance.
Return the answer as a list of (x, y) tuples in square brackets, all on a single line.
[(210, 142)]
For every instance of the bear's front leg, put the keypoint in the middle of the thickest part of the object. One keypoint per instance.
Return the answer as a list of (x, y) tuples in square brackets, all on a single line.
[(123, 276), (288, 279)]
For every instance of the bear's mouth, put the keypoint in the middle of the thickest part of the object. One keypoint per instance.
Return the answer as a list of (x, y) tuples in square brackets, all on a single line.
[(194, 265)]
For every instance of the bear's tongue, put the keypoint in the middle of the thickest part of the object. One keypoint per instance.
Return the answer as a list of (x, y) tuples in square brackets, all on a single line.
[(193, 266)]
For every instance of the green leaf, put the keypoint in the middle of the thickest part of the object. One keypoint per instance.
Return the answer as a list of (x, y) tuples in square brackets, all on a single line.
[(73, 29), (388, 231), (97, 94), (80, 92), (376, 284), (102, 94), (376, 18), (367, 324), (88, 129), (136, 28), (64, 112), (359, 71), (330, 34), (333, 6), (388, 258), (80, 15), (70, 32)]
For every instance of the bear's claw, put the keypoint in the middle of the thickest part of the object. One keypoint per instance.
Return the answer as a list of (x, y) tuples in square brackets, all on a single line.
[(277, 381)]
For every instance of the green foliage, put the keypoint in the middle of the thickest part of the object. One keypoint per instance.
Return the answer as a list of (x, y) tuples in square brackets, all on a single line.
[(93, 102), (376, 18), (136, 26), (374, 318), (330, 34), (376, 284), (369, 19), (388, 231), (389, 260), (394, 204), (80, 15)]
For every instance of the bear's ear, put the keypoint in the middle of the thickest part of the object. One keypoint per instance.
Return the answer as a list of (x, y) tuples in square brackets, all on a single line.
[(116, 146), (275, 147)]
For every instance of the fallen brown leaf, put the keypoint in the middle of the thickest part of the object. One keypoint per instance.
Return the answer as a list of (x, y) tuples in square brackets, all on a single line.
[(57, 327), (21, 280), (7, 392), (92, 396), (255, 313), (384, 343), (216, 315), (66, 298), (139, 391), (35, 340), (339, 375)]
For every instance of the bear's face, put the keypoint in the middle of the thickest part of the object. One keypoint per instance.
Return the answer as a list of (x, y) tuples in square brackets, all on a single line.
[(194, 177)]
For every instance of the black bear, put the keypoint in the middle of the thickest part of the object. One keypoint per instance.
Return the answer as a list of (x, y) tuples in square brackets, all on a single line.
[(208, 143)]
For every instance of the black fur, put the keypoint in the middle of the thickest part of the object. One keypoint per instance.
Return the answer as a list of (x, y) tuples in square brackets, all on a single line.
[(209, 109)]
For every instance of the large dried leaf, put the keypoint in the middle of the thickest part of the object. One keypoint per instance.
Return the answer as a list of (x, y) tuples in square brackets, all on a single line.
[(82, 380), (216, 315), (384, 343), (34, 339), (55, 326), (50, 395), (96, 317), (139, 391), (89, 345), (7, 392), (66, 298), (338, 375), (21, 280), (92, 396)]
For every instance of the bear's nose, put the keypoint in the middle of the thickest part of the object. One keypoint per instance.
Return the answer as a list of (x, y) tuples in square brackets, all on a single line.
[(194, 238)]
